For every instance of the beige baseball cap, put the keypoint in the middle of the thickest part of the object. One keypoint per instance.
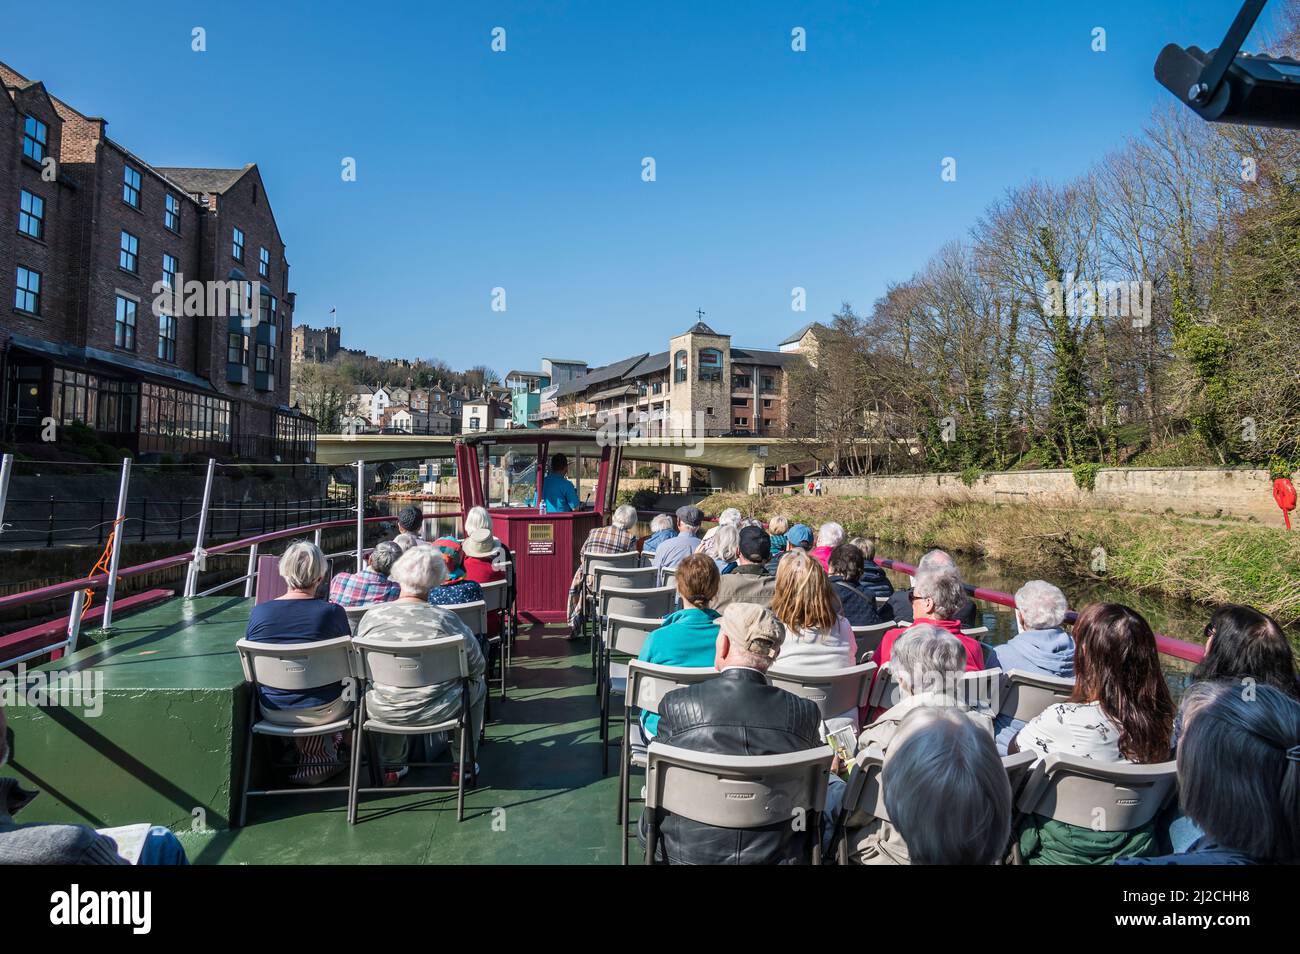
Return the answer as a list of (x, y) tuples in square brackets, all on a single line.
[(754, 628)]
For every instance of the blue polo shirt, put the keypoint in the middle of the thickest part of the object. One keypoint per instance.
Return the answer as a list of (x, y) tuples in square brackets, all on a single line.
[(558, 494)]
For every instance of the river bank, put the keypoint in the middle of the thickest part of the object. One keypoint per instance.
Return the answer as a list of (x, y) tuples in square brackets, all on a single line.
[(1208, 562)]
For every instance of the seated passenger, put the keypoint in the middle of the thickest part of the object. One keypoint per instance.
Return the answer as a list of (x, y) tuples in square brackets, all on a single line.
[(726, 548), (372, 584), (1041, 648), (730, 517), (478, 518), (829, 536), (558, 493), (36, 843), (857, 605), (615, 538), (737, 713), (798, 537), (407, 541), (946, 792), (688, 637), (937, 597), (456, 588), (410, 520), (300, 616), (1238, 776), (900, 604), (411, 618), (817, 636), (661, 529), (874, 579), (928, 664), (749, 582), (777, 527), (1120, 711), (675, 549), (479, 553)]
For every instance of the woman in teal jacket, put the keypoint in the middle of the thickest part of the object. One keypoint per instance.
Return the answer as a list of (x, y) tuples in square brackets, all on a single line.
[(689, 636)]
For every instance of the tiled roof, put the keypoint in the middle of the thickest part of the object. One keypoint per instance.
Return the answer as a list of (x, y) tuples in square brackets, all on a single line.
[(203, 180)]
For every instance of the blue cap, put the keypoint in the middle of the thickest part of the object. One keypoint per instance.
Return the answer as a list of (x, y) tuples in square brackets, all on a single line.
[(799, 536)]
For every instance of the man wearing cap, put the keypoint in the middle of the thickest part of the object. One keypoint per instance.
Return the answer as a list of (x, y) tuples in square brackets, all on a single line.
[(798, 536), (737, 713), (749, 582), (675, 549)]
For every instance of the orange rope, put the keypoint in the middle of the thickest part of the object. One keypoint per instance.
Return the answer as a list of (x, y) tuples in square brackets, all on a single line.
[(102, 565)]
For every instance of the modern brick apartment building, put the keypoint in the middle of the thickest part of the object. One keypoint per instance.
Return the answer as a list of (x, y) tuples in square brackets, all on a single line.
[(90, 230), (702, 386)]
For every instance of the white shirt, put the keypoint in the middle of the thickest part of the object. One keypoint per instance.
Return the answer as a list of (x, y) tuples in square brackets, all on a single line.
[(834, 648), (1080, 729)]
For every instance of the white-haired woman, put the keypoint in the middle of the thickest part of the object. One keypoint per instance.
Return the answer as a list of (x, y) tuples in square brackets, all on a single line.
[(301, 616), (662, 527), (726, 548), (829, 536), (478, 518), (1041, 647), (412, 618), (730, 517), (618, 537)]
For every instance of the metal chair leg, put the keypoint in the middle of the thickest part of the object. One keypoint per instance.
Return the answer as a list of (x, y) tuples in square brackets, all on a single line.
[(465, 730), (248, 759), (354, 774)]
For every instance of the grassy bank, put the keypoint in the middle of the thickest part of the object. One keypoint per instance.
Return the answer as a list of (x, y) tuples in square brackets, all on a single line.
[(1168, 555)]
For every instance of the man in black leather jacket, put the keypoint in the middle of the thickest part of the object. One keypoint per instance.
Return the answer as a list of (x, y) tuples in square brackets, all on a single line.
[(737, 713)]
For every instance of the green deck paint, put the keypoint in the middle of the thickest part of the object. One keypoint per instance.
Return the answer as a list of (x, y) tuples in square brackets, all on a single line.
[(168, 718)]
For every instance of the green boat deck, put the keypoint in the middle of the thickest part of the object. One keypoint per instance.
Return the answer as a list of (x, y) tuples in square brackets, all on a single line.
[(173, 704)]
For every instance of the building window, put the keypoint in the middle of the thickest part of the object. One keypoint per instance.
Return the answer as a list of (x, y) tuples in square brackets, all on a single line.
[(767, 404), (166, 338), (237, 349), (769, 383), (128, 258), (679, 367), (263, 359), (124, 326), (739, 402), (131, 186), (35, 136), (169, 270), (768, 422), (741, 382), (742, 422), (31, 215), (263, 263), (657, 388), (27, 293), (710, 364), (172, 212), (237, 245)]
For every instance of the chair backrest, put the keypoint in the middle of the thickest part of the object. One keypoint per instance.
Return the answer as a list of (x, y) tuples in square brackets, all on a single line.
[(628, 559), (981, 690), (356, 612), (975, 631), (647, 558), (473, 615), (1018, 767), (296, 666), (869, 638), (627, 634), (648, 683), (624, 578), (864, 795), (1026, 695), (736, 791), (654, 603), (834, 690), (1103, 796), (270, 584), (885, 691), (411, 664), (495, 595)]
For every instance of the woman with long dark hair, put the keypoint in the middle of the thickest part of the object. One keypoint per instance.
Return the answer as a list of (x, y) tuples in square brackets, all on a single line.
[(1243, 643), (1120, 711)]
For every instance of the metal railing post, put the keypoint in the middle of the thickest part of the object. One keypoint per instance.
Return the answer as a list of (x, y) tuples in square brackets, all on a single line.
[(49, 533), (110, 592), (252, 571), (192, 576), (74, 620), (361, 515), (6, 468)]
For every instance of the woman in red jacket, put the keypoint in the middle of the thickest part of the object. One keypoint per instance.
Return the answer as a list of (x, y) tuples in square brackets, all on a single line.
[(479, 550)]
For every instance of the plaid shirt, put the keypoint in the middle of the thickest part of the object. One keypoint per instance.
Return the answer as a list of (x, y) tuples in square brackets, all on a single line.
[(358, 589), (602, 540)]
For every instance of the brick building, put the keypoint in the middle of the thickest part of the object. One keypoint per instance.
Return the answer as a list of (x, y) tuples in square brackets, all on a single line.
[(89, 332), (702, 386)]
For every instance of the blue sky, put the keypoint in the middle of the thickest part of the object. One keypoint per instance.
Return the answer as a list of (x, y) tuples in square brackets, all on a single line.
[(522, 169)]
